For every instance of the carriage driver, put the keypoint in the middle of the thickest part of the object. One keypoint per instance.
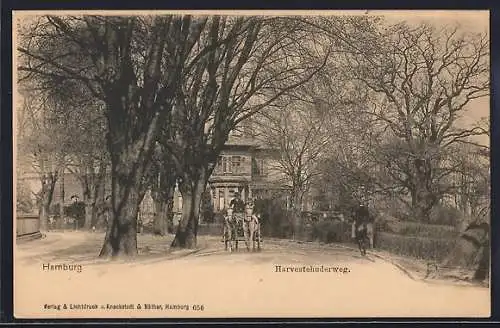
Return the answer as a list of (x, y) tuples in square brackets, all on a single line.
[(249, 207), (238, 206)]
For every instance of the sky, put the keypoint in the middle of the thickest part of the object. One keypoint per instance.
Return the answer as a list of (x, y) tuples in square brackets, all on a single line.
[(469, 20)]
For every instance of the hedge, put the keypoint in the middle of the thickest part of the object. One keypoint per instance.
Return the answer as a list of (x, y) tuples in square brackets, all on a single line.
[(419, 247), (417, 229), (325, 231), (331, 232), (436, 249)]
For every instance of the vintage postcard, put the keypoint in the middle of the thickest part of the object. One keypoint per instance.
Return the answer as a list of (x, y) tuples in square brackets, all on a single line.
[(231, 164)]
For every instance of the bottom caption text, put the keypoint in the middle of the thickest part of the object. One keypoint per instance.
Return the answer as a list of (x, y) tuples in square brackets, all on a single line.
[(111, 307)]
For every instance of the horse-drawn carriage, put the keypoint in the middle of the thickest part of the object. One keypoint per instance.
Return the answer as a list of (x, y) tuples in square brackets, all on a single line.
[(239, 227)]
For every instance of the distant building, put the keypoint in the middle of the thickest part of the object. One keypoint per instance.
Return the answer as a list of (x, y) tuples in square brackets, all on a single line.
[(244, 166)]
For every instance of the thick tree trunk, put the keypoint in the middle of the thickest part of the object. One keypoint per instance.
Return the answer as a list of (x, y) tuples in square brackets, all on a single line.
[(89, 214), (130, 159), (423, 197), (97, 194), (48, 186), (100, 200), (45, 209), (483, 269), (170, 215), (422, 205), (126, 196), (121, 234), (160, 219), (188, 225), (163, 202)]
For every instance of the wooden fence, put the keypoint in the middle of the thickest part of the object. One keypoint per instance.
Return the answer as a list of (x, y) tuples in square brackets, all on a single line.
[(27, 225)]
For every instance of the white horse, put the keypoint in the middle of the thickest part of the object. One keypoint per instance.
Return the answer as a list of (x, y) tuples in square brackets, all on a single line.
[(251, 228), (230, 230)]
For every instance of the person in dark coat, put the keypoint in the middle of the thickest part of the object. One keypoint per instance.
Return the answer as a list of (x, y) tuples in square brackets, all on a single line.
[(238, 207), (108, 208), (237, 204), (363, 223)]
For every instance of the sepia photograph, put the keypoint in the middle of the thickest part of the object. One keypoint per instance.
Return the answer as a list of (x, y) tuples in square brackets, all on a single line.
[(251, 164)]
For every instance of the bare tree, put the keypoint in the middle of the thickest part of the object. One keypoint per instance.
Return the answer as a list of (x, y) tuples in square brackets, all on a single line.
[(421, 80), (87, 158), (162, 179), (183, 81), (42, 144), (298, 130), (91, 173), (471, 180), (253, 61), (345, 134)]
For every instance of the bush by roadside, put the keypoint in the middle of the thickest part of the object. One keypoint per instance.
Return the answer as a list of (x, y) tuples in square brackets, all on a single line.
[(445, 215), (435, 249), (331, 232), (275, 218), (324, 231)]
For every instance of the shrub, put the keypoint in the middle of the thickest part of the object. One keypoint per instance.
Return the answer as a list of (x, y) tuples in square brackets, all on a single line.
[(148, 227), (274, 218), (445, 215), (214, 229), (426, 248), (306, 233), (331, 231), (76, 211), (170, 221), (207, 208), (395, 208), (219, 218), (54, 210)]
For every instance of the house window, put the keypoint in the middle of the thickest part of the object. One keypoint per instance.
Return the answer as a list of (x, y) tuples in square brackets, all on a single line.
[(258, 166), (236, 164), (226, 163), (218, 166)]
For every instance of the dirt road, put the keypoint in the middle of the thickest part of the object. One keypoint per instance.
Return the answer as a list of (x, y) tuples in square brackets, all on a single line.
[(284, 280)]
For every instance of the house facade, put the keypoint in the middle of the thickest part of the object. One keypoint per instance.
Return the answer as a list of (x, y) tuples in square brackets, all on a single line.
[(246, 167)]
